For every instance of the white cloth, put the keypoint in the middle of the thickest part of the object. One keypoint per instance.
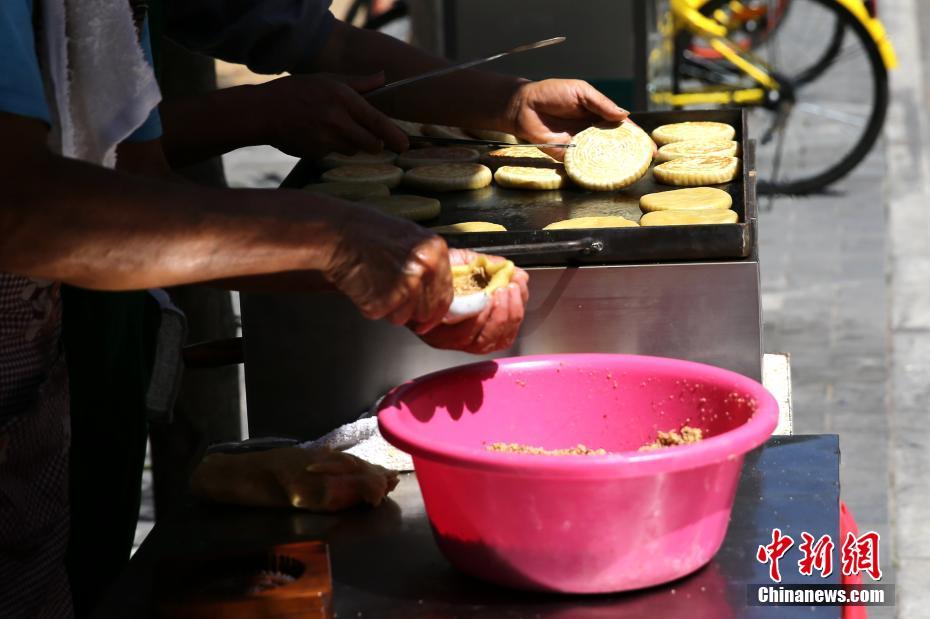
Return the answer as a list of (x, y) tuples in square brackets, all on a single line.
[(102, 88), (362, 439)]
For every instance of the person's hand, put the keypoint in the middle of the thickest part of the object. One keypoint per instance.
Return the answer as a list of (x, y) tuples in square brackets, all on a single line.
[(391, 268), (552, 111), (496, 327), (312, 115)]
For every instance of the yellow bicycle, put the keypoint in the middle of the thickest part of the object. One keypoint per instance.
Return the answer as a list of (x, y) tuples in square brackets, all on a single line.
[(812, 73)]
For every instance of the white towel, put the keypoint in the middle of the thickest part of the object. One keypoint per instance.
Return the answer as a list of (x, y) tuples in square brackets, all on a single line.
[(102, 87), (362, 439)]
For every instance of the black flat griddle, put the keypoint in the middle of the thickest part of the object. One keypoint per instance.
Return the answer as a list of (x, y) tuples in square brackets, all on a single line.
[(525, 213)]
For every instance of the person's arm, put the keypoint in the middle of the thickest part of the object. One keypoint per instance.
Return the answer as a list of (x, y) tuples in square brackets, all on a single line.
[(302, 115), (546, 111), (68, 221)]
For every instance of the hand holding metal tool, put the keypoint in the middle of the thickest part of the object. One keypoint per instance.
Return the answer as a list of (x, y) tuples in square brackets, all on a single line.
[(464, 65)]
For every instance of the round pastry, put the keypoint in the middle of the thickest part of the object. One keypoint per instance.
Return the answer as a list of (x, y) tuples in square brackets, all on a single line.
[(432, 155), (525, 156), (696, 171), (602, 221), (689, 218), (449, 177), (609, 156), (697, 148), (350, 191), (469, 226), (414, 208), (334, 160), (699, 130), (384, 174), (518, 177), (693, 198)]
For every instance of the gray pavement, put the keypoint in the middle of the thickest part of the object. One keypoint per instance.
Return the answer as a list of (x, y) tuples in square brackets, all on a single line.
[(908, 196)]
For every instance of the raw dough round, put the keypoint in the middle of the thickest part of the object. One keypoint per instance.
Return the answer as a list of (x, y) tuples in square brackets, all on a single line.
[(525, 156), (432, 155), (697, 171), (700, 130), (609, 156), (384, 174), (334, 160), (414, 208), (469, 226), (697, 148), (689, 218), (693, 198), (449, 177), (350, 191), (603, 221), (518, 177)]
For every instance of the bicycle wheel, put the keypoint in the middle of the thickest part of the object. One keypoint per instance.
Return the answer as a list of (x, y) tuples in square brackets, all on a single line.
[(758, 20), (832, 100)]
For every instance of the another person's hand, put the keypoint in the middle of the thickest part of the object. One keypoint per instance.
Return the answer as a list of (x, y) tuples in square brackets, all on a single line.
[(552, 111), (392, 269), (496, 327), (312, 115)]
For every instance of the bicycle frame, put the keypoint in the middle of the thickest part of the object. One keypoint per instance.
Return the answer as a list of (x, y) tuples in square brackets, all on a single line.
[(686, 15)]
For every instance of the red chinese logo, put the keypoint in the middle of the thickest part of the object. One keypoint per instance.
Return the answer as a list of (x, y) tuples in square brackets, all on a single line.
[(816, 555), (771, 553), (860, 554)]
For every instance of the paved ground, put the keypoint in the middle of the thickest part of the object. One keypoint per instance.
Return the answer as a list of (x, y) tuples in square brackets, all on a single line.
[(908, 196), (845, 291)]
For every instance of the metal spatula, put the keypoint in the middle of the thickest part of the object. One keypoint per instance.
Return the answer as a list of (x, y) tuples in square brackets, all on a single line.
[(464, 65)]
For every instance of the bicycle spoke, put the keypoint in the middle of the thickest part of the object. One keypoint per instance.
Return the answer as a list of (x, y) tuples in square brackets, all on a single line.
[(779, 148), (853, 120), (850, 53)]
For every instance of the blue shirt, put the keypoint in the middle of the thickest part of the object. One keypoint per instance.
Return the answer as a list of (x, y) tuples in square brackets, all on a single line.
[(21, 88)]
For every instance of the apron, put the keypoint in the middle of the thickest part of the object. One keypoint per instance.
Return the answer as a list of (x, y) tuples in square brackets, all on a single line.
[(34, 439)]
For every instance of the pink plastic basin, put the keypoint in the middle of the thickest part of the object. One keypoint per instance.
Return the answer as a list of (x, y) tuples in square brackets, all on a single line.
[(578, 524)]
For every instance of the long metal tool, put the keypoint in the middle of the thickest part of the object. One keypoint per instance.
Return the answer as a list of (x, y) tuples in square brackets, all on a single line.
[(586, 246), (464, 65), (466, 142)]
